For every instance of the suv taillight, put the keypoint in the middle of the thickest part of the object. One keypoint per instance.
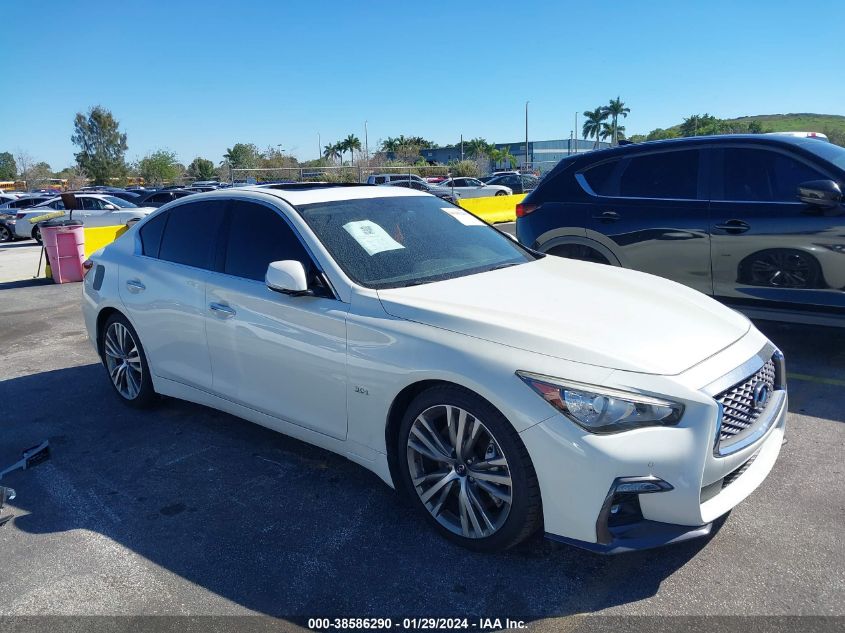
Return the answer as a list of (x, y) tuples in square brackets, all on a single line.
[(19, 216), (524, 209)]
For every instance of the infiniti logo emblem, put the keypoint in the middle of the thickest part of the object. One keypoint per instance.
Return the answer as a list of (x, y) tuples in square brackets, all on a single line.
[(760, 396)]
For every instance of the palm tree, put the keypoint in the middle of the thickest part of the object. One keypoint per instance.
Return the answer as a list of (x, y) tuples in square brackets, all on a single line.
[(608, 131), (332, 151), (390, 145), (614, 109), (350, 144), (593, 121), (476, 147)]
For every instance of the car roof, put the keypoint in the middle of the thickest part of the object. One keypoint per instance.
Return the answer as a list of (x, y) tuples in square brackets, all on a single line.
[(309, 195)]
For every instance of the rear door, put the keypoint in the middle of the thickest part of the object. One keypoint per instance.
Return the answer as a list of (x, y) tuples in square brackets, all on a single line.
[(163, 289), (651, 211), (769, 248)]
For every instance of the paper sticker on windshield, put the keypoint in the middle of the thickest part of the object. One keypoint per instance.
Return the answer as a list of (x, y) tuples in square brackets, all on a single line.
[(464, 217), (371, 237)]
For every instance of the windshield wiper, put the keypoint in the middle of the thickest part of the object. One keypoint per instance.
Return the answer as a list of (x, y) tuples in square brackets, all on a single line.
[(505, 265)]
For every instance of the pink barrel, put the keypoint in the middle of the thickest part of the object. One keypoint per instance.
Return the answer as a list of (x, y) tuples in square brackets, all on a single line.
[(65, 246)]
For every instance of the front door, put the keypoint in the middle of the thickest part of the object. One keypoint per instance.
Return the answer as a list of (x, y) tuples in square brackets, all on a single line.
[(769, 248), (650, 210), (279, 354)]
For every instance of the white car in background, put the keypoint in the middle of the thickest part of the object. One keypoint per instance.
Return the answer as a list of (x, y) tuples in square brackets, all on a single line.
[(94, 210), (501, 389), (471, 188)]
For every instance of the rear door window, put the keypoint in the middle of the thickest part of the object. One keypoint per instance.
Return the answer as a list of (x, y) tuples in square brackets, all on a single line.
[(668, 175), (150, 234), (190, 235)]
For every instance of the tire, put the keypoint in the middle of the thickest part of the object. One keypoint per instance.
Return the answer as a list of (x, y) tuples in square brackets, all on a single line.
[(580, 252), (501, 193), (6, 234), (483, 509), (126, 363), (36, 234)]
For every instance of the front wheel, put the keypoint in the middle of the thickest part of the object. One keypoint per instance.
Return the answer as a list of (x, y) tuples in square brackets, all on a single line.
[(36, 235), (467, 470), (126, 363), (501, 193), (5, 234)]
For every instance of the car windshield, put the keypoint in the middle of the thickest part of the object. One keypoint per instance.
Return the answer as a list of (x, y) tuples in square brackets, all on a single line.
[(828, 151), (120, 202), (408, 240)]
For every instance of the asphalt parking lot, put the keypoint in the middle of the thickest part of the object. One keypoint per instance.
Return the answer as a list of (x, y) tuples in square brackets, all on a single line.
[(185, 510)]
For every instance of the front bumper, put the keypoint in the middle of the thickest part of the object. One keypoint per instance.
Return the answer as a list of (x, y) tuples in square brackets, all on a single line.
[(577, 472)]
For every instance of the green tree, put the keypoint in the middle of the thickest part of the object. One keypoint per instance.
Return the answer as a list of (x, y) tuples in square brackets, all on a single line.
[(243, 156), (201, 169), (593, 120), (102, 146), (159, 167), (464, 168), (8, 167), (660, 134), (477, 148), (38, 175), (503, 156), (332, 151), (351, 144), (615, 109)]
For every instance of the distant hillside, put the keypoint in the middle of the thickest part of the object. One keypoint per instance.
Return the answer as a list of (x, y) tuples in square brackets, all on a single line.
[(801, 122)]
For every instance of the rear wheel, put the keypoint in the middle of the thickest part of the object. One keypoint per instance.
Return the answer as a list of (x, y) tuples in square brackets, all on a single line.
[(501, 193), (781, 268), (36, 235), (467, 470), (579, 251), (126, 363)]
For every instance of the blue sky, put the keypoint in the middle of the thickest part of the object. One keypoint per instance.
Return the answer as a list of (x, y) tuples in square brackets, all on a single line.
[(197, 77)]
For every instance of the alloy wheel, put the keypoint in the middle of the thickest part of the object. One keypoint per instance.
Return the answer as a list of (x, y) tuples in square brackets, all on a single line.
[(459, 471), (5, 234), (781, 269), (123, 360)]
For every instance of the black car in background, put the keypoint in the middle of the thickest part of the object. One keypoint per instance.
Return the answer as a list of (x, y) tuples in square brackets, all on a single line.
[(519, 183), (158, 198), (756, 221)]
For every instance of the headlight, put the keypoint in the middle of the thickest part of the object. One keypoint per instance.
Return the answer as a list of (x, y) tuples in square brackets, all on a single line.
[(600, 409)]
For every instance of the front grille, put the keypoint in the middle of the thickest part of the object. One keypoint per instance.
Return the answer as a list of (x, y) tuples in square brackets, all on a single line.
[(738, 412)]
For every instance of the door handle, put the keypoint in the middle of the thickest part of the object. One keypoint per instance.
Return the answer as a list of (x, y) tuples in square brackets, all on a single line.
[(134, 286), (221, 310), (607, 216), (733, 226)]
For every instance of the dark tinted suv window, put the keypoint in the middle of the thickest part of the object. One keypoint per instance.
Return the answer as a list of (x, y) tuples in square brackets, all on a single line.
[(258, 236), (763, 175), (667, 175), (191, 233)]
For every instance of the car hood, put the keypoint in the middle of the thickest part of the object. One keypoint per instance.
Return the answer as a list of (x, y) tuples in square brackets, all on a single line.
[(577, 311)]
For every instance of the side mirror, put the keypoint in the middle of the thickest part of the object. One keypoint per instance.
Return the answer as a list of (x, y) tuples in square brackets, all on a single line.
[(109, 207), (820, 193), (287, 276)]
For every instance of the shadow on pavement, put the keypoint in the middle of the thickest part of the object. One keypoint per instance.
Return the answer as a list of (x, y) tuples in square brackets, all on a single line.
[(270, 523)]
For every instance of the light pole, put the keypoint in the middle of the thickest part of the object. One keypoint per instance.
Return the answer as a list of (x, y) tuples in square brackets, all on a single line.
[(319, 147), (366, 145), (526, 134)]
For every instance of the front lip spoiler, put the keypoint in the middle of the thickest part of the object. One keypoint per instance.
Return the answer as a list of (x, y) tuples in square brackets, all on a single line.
[(639, 536)]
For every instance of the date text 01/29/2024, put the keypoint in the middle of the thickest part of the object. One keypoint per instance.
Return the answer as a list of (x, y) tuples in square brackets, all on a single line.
[(411, 624)]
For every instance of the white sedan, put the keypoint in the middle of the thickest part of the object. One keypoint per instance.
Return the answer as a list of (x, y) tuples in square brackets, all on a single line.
[(471, 188), (94, 210), (500, 389)]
